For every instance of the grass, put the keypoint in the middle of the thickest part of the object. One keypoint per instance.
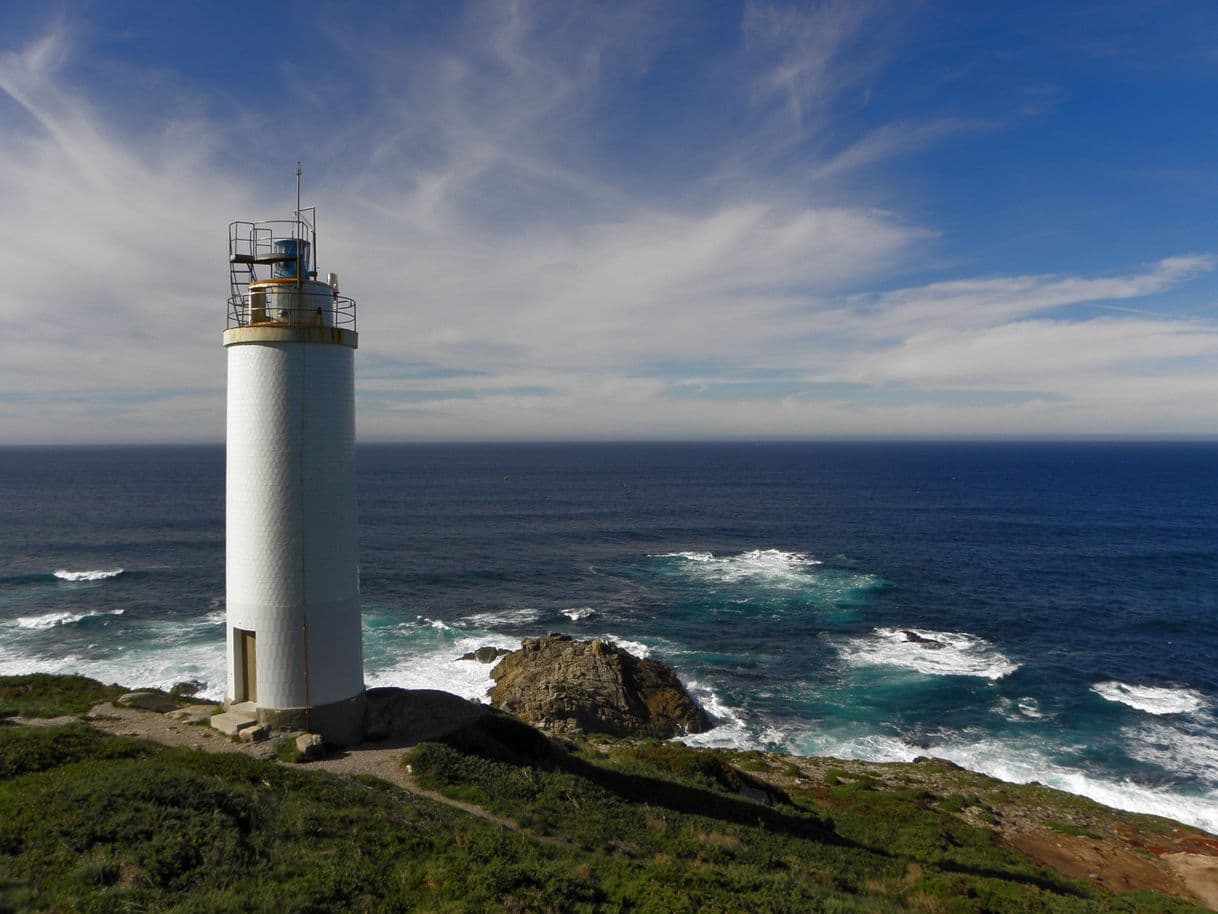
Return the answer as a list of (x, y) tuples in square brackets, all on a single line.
[(91, 823), (286, 751), (47, 695)]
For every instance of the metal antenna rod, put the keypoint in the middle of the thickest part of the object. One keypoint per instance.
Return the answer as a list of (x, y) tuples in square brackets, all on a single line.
[(299, 230)]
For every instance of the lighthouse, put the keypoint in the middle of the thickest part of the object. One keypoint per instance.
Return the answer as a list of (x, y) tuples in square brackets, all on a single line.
[(295, 656)]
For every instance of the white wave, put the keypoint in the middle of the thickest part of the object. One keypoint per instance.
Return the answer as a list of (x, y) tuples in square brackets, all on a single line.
[(1174, 750), (578, 613), (1019, 710), (215, 617), (157, 668), (729, 731), (866, 747), (519, 616), (1023, 765), (1151, 699), (437, 623), (940, 654), (65, 575), (732, 728), (773, 565), (437, 667), (1030, 707), (637, 648), (51, 620)]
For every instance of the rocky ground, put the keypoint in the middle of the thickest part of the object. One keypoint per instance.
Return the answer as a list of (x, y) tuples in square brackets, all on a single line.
[(1073, 835)]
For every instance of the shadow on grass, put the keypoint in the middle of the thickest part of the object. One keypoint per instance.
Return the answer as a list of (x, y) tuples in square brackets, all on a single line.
[(500, 738)]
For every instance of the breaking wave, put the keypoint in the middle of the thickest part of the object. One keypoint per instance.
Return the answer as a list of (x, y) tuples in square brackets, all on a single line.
[(929, 652), (517, 616), (1174, 750), (773, 565), (51, 620), (437, 666), (1151, 699), (136, 667), (65, 575)]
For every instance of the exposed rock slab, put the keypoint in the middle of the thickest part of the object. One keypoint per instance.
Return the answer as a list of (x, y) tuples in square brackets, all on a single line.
[(566, 687), (147, 701), (194, 714)]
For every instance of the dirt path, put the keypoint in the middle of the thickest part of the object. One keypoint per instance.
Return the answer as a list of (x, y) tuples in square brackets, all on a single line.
[(376, 760)]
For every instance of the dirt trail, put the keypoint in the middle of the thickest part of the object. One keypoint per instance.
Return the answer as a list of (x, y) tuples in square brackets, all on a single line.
[(384, 762)]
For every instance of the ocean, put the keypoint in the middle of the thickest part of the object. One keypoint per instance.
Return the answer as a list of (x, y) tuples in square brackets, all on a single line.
[(1034, 611)]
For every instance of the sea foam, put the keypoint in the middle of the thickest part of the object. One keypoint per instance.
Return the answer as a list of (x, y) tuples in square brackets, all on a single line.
[(1173, 749), (579, 613), (437, 667), (637, 648), (773, 565), (509, 616), (1151, 699), (729, 730), (937, 654), (135, 667), (1023, 764), (65, 575)]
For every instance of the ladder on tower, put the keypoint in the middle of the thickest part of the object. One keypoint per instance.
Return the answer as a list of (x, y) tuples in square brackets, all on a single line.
[(241, 274)]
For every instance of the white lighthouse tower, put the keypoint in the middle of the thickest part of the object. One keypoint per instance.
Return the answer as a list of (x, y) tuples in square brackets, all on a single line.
[(295, 657)]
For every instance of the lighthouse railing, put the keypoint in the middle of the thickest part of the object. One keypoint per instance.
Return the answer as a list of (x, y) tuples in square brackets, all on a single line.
[(246, 310), (289, 248)]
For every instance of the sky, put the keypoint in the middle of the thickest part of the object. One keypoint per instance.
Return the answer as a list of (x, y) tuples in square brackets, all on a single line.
[(626, 220)]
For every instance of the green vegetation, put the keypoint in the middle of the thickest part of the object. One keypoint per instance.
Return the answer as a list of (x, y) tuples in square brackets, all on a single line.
[(47, 695), (91, 823), (1067, 828), (286, 751)]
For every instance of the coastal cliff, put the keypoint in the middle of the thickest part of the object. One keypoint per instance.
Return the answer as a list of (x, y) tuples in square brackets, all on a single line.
[(108, 806)]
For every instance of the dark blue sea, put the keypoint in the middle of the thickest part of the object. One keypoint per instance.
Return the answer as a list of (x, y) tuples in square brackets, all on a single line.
[(1033, 611)]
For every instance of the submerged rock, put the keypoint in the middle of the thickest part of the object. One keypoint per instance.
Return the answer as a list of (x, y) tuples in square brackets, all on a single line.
[(485, 654), (929, 643), (566, 686), (187, 689)]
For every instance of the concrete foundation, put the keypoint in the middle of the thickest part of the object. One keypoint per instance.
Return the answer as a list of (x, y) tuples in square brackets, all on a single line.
[(340, 723)]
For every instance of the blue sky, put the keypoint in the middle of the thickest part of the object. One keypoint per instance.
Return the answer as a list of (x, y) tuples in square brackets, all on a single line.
[(627, 220)]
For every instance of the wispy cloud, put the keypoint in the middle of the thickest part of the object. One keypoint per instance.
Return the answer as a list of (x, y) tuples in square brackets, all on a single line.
[(514, 281), (801, 52)]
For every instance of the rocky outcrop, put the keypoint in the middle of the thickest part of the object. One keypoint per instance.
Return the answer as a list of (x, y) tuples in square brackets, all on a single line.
[(567, 687)]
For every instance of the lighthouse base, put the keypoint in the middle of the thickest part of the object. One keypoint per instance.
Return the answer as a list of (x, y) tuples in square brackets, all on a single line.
[(340, 723)]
